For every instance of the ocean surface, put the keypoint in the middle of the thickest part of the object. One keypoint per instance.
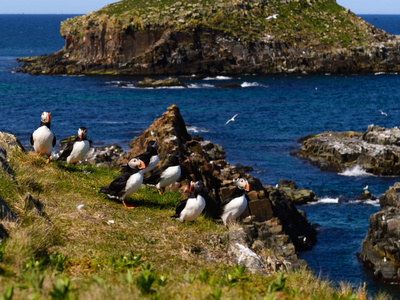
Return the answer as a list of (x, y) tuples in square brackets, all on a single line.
[(273, 113)]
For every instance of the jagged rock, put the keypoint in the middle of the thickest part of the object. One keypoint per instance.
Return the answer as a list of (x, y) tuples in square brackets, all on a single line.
[(217, 176), (107, 156), (296, 195), (6, 213), (238, 250), (10, 142), (376, 150), (4, 164), (169, 82), (380, 249)]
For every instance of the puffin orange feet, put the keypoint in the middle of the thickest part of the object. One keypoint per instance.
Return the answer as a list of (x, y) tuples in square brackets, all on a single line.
[(128, 207)]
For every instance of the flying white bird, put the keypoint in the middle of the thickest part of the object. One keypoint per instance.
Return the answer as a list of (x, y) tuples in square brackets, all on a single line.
[(231, 119), (383, 113), (272, 17), (365, 188)]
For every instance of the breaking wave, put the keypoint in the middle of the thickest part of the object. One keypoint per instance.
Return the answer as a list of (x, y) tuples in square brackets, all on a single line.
[(356, 171)]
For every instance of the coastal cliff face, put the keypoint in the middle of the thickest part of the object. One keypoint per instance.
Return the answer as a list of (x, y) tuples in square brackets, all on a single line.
[(219, 37), (380, 249)]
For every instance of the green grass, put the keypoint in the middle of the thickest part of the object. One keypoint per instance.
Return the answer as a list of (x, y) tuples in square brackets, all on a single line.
[(105, 251), (298, 23)]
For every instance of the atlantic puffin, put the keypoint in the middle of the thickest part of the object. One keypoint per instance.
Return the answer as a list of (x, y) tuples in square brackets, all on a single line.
[(193, 206), (150, 157), (165, 175), (43, 139), (235, 205), (77, 148), (126, 183)]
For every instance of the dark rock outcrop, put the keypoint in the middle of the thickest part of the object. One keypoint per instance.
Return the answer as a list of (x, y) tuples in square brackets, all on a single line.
[(219, 37), (380, 250), (169, 82), (197, 163), (377, 150), (296, 195)]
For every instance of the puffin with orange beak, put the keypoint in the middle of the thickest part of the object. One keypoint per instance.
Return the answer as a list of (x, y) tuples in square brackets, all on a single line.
[(235, 205), (126, 183), (193, 206), (43, 139), (76, 149)]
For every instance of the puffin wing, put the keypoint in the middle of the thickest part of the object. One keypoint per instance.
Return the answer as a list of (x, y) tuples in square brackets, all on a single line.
[(156, 175), (181, 206), (54, 140), (226, 201), (67, 151), (32, 141), (119, 183)]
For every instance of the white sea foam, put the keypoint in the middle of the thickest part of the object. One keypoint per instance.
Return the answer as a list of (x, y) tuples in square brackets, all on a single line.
[(369, 202), (200, 86), (356, 171), (250, 84), (325, 200), (195, 129), (218, 78), (380, 73)]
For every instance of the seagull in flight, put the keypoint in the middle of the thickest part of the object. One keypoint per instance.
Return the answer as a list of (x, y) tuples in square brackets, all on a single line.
[(383, 113), (231, 119), (365, 188)]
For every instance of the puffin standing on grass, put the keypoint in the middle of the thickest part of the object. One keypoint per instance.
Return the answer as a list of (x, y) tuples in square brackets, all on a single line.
[(76, 149), (43, 139), (126, 183), (193, 206), (235, 205), (165, 175)]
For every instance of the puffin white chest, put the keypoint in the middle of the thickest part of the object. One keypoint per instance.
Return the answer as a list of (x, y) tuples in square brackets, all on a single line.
[(152, 164), (78, 151), (234, 208), (170, 175), (194, 207), (43, 140), (133, 183)]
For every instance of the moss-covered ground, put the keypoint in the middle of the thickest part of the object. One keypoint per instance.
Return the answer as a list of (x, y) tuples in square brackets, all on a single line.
[(85, 246)]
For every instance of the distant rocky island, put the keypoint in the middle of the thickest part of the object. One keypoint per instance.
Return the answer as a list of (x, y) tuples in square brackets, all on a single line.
[(213, 37)]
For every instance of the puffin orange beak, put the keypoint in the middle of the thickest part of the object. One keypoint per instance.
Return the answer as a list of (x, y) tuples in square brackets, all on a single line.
[(141, 165), (80, 135), (247, 187), (191, 186)]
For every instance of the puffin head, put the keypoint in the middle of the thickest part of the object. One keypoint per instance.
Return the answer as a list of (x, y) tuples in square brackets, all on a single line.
[(242, 183), (46, 117), (82, 132), (195, 186), (152, 144), (136, 163)]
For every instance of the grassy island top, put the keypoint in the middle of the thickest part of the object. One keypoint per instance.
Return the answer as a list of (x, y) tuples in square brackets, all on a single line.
[(297, 22)]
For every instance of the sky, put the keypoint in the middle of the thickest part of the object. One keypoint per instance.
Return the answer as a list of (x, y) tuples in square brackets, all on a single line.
[(86, 6)]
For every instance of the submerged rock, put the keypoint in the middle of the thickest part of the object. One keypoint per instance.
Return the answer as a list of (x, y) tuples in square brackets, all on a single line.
[(169, 82), (377, 151), (380, 249)]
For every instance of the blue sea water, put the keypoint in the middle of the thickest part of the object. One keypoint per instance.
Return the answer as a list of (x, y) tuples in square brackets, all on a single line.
[(273, 113)]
